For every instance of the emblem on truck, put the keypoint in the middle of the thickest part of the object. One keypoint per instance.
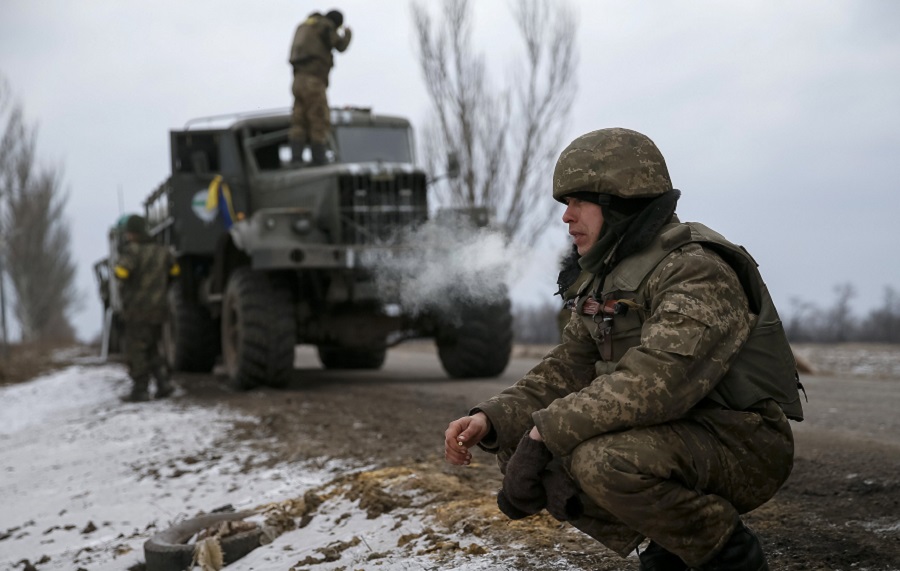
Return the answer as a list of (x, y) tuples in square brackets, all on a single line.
[(198, 205)]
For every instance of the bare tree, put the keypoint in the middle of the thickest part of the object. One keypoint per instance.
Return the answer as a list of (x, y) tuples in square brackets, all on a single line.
[(505, 138), (883, 323), (34, 235), (537, 323), (841, 321)]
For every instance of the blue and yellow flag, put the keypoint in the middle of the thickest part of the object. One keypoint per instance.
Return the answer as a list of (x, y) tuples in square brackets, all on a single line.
[(218, 197)]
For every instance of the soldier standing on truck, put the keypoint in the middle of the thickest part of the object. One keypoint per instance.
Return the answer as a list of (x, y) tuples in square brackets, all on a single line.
[(312, 60), (144, 269)]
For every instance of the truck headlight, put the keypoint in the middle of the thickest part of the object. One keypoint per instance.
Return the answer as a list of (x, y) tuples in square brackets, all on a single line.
[(302, 226)]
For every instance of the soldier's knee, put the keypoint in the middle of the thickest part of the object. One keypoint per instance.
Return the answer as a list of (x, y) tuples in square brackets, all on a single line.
[(605, 467)]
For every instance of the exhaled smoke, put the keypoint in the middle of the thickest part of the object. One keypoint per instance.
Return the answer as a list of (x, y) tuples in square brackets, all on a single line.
[(447, 264)]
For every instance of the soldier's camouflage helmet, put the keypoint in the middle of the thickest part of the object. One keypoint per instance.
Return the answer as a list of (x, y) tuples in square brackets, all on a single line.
[(617, 162)]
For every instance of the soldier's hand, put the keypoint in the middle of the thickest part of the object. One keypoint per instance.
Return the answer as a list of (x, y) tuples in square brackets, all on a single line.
[(462, 434)]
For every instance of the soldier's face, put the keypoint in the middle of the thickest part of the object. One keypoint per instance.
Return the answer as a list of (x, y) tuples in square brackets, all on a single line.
[(585, 219)]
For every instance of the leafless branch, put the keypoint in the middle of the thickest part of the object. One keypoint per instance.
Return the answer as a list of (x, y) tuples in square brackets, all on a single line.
[(34, 236), (506, 138)]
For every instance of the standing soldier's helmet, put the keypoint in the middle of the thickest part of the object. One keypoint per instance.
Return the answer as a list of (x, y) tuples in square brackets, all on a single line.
[(335, 17), (615, 162), (136, 224)]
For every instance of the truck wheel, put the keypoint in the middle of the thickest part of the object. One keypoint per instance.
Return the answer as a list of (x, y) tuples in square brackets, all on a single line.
[(258, 330), (343, 358), (190, 336), (480, 344)]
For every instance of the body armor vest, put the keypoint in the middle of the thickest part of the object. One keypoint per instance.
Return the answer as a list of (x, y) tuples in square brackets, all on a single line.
[(765, 366), (311, 50)]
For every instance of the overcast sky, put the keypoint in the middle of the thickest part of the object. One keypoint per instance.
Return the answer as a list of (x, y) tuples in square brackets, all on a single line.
[(780, 121)]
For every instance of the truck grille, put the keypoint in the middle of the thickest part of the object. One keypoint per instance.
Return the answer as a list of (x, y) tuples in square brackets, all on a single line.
[(374, 208)]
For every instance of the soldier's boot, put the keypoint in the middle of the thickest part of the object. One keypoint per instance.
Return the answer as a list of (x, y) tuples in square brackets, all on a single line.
[(297, 147), (742, 552), (317, 150), (164, 385), (655, 558), (138, 391)]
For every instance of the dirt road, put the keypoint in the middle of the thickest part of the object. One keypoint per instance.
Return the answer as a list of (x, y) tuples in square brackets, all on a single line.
[(347, 469), (839, 510)]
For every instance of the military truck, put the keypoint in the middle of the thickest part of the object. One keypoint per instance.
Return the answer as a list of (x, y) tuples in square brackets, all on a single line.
[(275, 251), (112, 337)]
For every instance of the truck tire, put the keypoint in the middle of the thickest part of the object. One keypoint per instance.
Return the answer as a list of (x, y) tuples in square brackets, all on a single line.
[(168, 550), (479, 345), (258, 329), (190, 336), (333, 357)]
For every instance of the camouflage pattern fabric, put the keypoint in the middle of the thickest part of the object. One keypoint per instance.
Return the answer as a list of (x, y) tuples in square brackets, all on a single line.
[(310, 118), (697, 322), (311, 49), (618, 162), (683, 483), (641, 415), (144, 269), (143, 354)]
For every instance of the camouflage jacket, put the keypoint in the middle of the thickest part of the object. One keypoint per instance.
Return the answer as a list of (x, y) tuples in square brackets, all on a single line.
[(314, 40), (687, 320), (144, 268)]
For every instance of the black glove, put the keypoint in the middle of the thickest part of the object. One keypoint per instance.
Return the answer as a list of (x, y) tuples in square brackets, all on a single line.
[(523, 493), (511, 511), (563, 502)]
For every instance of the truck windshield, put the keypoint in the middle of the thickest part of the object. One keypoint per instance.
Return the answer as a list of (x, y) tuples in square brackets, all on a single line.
[(363, 144)]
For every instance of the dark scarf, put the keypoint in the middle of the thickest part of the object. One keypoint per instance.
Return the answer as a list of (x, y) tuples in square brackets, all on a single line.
[(628, 227)]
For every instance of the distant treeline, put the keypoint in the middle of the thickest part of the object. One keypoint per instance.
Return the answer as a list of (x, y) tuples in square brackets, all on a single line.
[(804, 322), (841, 322)]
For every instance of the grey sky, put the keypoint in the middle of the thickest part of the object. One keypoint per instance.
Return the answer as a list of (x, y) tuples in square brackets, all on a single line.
[(780, 121)]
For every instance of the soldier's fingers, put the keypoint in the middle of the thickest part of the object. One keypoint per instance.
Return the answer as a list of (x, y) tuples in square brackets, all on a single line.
[(455, 429), (473, 432), (455, 454)]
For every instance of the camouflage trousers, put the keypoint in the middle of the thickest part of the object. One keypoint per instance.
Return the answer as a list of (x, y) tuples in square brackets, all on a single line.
[(310, 118), (142, 341), (684, 483)]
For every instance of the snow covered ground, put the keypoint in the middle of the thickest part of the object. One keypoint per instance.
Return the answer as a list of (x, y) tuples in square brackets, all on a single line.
[(85, 480)]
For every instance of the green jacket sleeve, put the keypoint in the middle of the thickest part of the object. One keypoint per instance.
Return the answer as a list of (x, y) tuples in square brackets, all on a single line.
[(127, 261), (566, 368), (340, 41)]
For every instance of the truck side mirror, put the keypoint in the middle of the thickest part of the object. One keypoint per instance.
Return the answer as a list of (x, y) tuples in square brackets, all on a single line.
[(452, 165)]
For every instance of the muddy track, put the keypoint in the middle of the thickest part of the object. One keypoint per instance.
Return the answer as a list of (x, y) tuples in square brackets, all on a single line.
[(839, 510)]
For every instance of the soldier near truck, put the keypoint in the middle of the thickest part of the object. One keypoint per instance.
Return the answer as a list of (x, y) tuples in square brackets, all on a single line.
[(295, 260), (311, 59), (664, 412), (144, 270)]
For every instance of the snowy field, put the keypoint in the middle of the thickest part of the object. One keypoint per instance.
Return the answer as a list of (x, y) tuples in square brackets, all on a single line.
[(87, 479)]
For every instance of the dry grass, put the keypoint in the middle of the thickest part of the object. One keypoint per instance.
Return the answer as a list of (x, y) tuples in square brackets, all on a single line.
[(24, 361)]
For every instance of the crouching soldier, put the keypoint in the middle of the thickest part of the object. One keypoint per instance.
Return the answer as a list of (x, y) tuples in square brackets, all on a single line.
[(663, 414)]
